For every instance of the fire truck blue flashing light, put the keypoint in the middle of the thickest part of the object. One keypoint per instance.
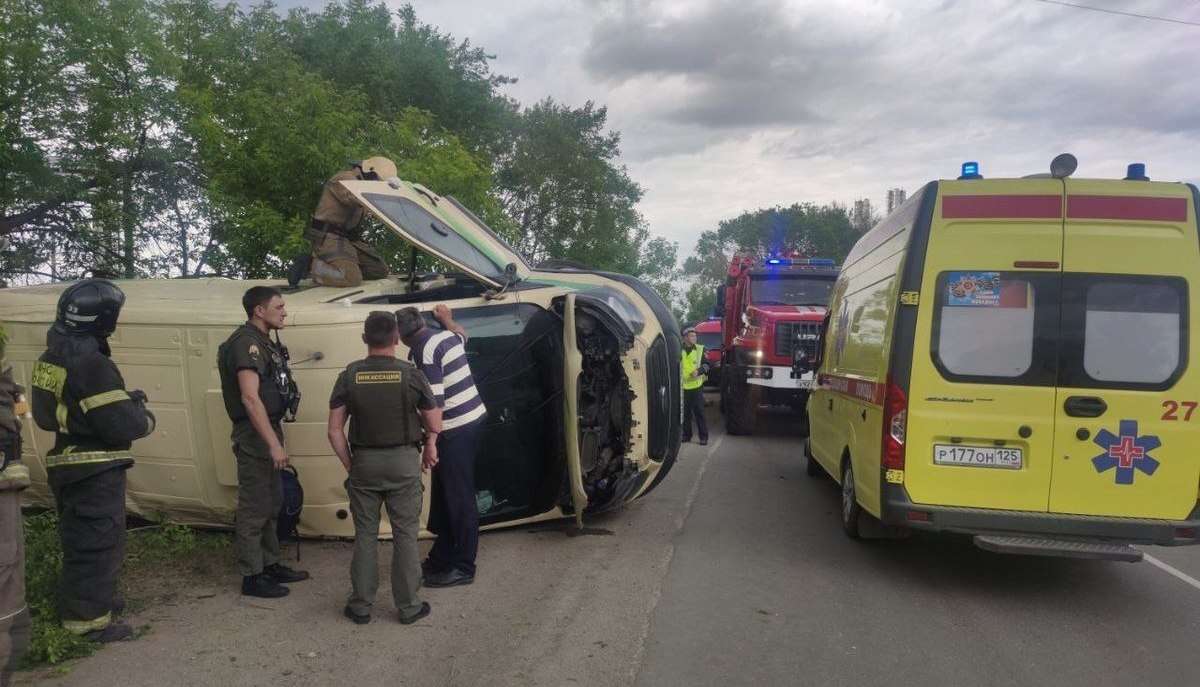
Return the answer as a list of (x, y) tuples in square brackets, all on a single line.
[(810, 262), (970, 170)]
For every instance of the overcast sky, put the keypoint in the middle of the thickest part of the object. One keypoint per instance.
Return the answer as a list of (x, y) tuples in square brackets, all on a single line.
[(726, 106)]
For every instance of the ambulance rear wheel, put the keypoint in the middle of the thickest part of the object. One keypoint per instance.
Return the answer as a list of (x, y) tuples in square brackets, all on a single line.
[(811, 467), (851, 511)]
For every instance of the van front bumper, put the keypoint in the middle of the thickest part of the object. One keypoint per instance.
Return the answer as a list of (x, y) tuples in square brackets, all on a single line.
[(899, 510)]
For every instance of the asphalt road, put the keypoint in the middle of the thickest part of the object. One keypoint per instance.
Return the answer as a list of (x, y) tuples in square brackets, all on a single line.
[(733, 572)]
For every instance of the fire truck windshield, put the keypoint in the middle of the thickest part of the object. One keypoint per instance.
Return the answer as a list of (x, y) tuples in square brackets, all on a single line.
[(790, 290)]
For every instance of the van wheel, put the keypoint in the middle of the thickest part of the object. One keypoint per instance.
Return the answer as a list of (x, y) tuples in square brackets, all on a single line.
[(811, 467), (851, 511), (741, 407)]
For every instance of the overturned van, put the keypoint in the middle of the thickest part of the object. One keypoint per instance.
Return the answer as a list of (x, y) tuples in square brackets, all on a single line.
[(578, 370), (1011, 358)]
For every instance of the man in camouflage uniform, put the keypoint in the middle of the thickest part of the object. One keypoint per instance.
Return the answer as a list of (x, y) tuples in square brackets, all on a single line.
[(339, 255), (254, 385), (14, 614), (390, 406)]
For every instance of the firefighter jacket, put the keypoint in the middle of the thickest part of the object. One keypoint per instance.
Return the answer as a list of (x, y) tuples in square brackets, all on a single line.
[(79, 394), (338, 210), (692, 360)]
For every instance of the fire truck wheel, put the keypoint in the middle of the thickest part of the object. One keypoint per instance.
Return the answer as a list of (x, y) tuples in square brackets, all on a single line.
[(741, 407)]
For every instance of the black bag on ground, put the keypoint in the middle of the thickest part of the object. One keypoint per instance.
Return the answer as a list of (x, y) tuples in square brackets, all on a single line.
[(293, 502)]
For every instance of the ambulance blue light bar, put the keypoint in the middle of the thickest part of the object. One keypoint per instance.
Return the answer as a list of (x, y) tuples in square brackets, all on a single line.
[(811, 262), (970, 170)]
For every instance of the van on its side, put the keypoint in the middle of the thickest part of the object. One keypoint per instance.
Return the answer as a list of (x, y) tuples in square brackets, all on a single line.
[(1011, 358)]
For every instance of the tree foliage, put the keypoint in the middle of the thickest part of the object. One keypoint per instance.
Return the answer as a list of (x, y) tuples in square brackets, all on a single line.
[(189, 137)]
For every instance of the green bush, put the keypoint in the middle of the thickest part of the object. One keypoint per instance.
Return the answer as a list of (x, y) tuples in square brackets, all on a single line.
[(162, 550)]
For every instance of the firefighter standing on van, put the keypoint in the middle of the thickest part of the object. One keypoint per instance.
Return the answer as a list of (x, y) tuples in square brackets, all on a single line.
[(258, 391), (339, 255), (79, 394), (14, 614), (390, 405), (693, 369)]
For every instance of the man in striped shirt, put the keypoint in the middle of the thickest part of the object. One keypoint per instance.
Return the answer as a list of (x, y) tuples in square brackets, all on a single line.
[(453, 517)]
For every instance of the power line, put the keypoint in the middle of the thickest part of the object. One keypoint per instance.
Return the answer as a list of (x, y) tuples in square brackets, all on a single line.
[(1117, 12)]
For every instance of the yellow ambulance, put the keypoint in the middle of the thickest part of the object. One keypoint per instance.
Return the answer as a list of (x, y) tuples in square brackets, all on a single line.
[(1010, 358)]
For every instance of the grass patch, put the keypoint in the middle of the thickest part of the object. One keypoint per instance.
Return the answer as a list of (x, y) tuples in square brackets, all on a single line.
[(161, 559)]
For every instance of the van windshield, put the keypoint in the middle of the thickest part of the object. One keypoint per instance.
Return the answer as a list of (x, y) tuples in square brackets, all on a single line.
[(791, 290), (710, 340)]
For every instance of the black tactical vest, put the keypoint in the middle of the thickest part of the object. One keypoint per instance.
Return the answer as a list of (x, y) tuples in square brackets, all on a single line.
[(269, 364), (381, 402)]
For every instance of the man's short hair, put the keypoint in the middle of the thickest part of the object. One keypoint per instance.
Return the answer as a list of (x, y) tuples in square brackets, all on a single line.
[(410, 321), (258, 295), (379, 329)]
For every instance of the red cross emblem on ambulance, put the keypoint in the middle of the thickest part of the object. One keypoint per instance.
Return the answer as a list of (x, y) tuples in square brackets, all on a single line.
[(1126, 451)]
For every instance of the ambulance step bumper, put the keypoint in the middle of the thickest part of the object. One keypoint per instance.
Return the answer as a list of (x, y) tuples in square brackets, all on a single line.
[(1062, 548)]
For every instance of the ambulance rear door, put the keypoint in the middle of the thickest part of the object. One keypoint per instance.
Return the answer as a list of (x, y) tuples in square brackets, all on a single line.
[(1128, 425), (980, 404)]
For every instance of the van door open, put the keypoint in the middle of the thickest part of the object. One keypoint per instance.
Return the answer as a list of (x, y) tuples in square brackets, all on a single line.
[(1129, 383), (980, 418)]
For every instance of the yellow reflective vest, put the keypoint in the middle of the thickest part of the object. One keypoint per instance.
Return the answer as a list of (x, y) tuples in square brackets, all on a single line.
[(691, 362)]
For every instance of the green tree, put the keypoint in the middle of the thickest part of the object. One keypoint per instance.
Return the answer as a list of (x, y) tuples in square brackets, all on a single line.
[(561, 186)]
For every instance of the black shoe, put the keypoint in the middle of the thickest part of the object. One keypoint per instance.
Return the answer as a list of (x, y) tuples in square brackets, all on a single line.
[(356, 618), (301, 265), (112, 633), (431, 567), (704, 442), (281, 574), (263, 587), (686, 439), (410, 619), (451, 577)]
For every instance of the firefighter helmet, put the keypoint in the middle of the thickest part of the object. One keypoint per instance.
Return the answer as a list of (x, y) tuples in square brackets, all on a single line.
[(90, 306), (378, 168)]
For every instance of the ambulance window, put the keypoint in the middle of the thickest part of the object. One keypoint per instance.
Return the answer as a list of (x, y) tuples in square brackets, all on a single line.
[(985, 326), (1133, 328)]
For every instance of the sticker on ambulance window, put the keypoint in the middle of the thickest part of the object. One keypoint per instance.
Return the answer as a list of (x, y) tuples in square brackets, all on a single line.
[(985, 290)]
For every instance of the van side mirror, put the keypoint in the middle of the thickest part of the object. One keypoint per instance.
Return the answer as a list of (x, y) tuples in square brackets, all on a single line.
[(721, 298)]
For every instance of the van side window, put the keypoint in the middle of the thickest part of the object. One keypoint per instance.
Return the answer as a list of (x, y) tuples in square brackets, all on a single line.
[(996, 327), (1132, 330)]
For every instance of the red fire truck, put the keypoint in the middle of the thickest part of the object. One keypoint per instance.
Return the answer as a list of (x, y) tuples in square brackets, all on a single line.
[(773, 309)]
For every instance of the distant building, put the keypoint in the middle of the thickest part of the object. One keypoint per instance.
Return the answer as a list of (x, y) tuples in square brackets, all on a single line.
[(895, 198), (861, 217)]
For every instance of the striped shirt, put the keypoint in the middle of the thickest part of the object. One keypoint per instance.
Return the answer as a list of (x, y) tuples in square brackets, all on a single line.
[(441, 357)]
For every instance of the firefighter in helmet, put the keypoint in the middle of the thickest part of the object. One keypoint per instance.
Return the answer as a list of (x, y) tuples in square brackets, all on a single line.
[(339, 255), (79, 394)]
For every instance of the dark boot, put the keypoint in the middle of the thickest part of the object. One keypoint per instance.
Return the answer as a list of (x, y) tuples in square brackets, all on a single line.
[(112, 633), (301, 266), (263, 587), (281, 574)]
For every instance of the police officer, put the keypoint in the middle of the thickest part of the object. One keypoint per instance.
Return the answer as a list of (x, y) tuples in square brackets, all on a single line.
[(258, 390), (339, 255), (693, 369), (79, 394), (14, 614), (388, 403)]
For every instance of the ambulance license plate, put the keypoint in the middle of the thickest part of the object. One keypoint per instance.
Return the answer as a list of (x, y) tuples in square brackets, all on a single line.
[(978, 456)]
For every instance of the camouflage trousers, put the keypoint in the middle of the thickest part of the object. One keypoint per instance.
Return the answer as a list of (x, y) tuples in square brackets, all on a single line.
[(338, 261)]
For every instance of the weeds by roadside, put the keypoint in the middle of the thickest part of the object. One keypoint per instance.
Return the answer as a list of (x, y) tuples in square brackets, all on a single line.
[(160, 560)]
